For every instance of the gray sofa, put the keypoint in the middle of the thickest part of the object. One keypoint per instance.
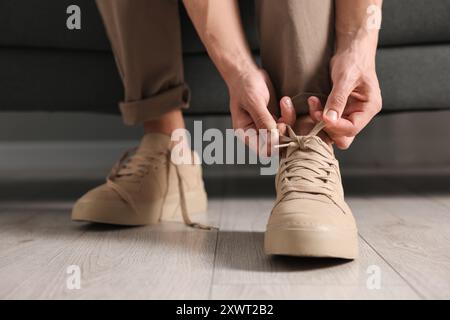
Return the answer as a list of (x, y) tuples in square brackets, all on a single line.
[(45, 66)]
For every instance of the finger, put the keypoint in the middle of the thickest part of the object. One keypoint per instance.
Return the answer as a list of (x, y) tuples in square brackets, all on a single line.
[(316, 113), (342, 127), (246, 131), (336, 102), (244, 128), (249, 136), (354, 122), (288, 115), (282, 128), (360, 119), (268, 140), (240, 118), (342, 143), (315, 108), (262, 118)]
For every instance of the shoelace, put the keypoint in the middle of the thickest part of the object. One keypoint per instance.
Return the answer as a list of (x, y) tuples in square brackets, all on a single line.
[(133, 167), (305, 172)]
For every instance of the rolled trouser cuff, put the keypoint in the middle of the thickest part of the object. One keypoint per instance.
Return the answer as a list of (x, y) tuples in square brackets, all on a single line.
[(300, 101), (139, 111)]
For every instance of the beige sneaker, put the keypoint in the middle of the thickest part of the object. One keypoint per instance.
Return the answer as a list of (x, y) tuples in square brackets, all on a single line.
[(145, 187), (310, 217)]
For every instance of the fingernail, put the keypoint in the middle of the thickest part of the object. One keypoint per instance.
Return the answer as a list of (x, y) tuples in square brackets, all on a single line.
[(332, 115), (288, 102)]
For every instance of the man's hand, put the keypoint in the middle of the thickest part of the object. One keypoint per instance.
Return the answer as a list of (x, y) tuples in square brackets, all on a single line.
[(219, 25), (252, 98), (354, 99)]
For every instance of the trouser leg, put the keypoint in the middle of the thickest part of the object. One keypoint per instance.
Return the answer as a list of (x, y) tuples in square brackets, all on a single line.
[(297, 43), (146, 41)]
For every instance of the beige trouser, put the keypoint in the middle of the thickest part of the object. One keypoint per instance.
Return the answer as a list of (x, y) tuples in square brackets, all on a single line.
[(296, 44)]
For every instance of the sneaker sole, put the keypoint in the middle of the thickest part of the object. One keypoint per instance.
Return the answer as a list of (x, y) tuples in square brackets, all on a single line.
[(311, 243), (169, 210)]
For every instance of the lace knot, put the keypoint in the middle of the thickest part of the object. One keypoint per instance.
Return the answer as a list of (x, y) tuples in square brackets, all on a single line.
[(308, 166)]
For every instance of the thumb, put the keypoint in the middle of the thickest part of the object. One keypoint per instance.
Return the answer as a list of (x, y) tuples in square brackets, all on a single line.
[(336, 102)]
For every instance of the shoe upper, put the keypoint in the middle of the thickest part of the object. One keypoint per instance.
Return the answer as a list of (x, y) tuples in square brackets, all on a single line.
[(308, 185), (140, 176), (145, 176), (142, 172)]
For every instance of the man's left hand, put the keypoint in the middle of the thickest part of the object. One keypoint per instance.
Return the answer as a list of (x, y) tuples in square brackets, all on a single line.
[(354, 100)]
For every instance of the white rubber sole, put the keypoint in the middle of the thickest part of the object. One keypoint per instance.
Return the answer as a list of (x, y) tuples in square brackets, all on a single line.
[(311, 243)]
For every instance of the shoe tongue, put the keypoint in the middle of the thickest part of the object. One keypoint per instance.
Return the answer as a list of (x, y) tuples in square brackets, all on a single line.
[(154, 142)]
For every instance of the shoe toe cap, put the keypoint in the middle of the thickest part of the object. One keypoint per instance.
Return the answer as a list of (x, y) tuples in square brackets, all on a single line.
[(102, 205), (310, 214)]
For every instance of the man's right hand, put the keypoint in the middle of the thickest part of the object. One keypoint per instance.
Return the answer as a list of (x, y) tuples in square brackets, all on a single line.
[(252, 98)]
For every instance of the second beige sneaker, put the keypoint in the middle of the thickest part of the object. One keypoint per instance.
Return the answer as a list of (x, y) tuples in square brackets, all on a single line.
[(145, 187), (310, 217)]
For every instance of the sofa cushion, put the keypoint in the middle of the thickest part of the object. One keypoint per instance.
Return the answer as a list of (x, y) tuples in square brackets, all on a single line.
[(414, 78), (407, 22), (88, 81), (42, 23)]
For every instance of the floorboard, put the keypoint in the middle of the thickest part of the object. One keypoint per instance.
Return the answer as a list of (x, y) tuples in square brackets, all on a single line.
[(404, 227), (243, 271), (411, 231), (167, 261)]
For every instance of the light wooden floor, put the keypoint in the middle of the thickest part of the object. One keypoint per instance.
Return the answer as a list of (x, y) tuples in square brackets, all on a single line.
[(404, 233)]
